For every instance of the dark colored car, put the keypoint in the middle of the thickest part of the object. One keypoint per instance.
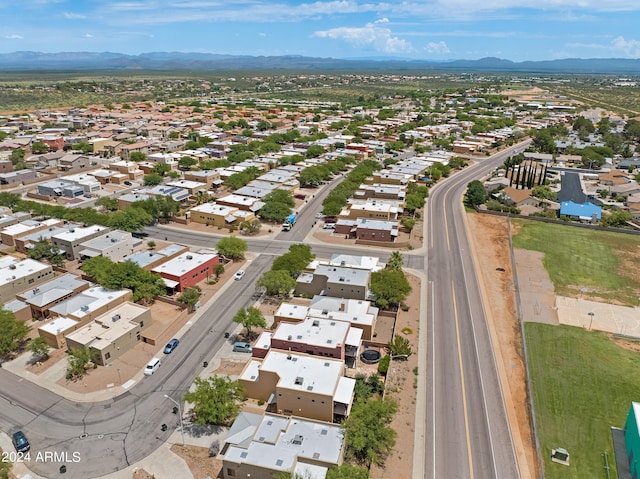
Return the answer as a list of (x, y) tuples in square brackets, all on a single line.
[(128, 183), (171, 345), (331, 219), (20, 442)]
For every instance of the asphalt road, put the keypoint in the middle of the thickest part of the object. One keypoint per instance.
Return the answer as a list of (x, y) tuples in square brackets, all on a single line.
[(467, 433), (111, 435)]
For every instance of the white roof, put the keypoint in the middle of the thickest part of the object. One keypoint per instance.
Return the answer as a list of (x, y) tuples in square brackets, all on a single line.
[(75, 232), (58, 325), (304, 373), (214, 209), (344, 392), (314, 331), (20, 269), (280, 442), (183, 263)]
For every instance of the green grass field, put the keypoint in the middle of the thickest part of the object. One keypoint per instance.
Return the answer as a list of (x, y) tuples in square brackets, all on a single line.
[(583, 383), (601, 262)]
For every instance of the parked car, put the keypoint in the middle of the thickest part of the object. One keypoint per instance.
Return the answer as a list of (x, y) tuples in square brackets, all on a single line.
[(20, 442), (329, 226), (239, 275), (319, 215), (171, 345), (151, 367), (330, 219), (128, 183), (241, 347)]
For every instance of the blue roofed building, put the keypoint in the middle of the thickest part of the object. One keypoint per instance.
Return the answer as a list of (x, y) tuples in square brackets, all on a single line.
[(582, 211)]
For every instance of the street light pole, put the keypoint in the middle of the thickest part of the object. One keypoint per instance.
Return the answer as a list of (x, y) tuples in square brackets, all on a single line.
[(180, 413), (591, 314)]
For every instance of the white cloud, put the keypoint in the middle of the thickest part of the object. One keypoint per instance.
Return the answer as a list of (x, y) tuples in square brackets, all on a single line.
[(437, 48), (382, 20), (262, 34), (74, 16), (630, 48), (87, 35), (373, 35), (13, 36)]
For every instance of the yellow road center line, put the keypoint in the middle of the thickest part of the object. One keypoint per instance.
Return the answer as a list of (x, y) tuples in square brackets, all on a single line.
[(464, 394)]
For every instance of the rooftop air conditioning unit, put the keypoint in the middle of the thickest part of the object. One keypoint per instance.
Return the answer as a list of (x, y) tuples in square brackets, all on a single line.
[(116, 317), (189, 257), (12, 266)]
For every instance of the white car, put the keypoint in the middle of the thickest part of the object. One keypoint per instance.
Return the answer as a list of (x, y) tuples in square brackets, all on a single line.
[(329, 226), (151, 367), (239, 275), (319, 215)]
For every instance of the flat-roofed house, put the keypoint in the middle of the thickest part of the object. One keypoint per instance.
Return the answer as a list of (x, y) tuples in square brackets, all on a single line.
[(262, 447), (316, 336), (187, 269), (18, 275), (70, 241), (113, 333), (114, 245), (90, 303), (219, 215), (336, 281), (52, 292), (299, 384)]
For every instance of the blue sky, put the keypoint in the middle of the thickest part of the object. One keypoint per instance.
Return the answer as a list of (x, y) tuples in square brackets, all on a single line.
[(516, 30)]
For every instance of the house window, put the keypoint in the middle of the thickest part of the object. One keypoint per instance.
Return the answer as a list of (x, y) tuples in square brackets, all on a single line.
[(107, 356), (231, 472), (31, 280)]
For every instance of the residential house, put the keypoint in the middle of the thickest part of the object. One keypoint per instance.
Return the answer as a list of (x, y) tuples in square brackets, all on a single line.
[(70, 242), (112, 334), (114, 245), (46, 295), (219, 215), (261, 447), (18, 275), (335, 281), (187, 269), (299, 384)]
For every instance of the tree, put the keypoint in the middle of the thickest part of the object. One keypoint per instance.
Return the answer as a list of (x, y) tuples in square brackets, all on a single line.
[(131, 219), (274, 211), (108, 203), (400, 346), (347, 471), (295, 260), (408, 223), (39, 348), (395, 261), (389, 286), (78, 361), (276, 282), (232, 247), (42, 249), (186, 162), (250, 317), (151, 244), (281, 196), (152, 179), (137, 156), (216, 400), (413, 201), (616, 218), (161, 169), (251, 227), (218, 270), (369, 438), (12, 332), (476, 193), (543, 192), (314, 151), (39, 147), (5, 469), (190, 297)]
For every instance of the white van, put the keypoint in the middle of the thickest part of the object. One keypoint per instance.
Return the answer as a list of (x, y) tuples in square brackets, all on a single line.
[(151, 367)]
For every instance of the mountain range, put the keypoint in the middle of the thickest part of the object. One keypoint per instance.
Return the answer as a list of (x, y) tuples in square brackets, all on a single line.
[(171, 61)]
